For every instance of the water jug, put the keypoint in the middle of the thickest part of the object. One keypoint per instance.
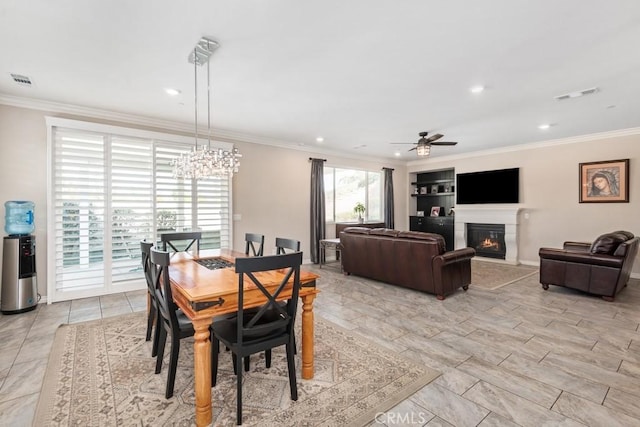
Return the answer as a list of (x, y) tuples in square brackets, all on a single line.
[(18, 217)]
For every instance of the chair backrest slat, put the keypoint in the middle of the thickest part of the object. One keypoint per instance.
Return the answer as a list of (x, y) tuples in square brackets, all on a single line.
[(188, 238), (254, 244), (160, 261), (145, 248), (283, 245), (255, 323)]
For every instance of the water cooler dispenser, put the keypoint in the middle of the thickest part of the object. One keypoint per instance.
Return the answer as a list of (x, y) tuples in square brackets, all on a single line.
[(19, 285)]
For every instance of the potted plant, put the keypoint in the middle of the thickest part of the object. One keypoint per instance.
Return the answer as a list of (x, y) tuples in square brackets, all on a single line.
[(359, 209)]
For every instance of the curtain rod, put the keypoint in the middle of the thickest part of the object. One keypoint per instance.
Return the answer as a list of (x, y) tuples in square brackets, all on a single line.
[(311, 158), (391, 169)]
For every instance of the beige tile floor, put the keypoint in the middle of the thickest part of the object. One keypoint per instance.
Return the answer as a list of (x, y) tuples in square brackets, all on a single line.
[(514, 356)]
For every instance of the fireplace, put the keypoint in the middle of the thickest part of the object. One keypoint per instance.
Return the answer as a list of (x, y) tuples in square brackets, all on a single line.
[(493, 214), (487, 240)]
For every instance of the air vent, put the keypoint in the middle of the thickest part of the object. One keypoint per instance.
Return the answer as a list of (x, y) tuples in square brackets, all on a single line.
[(577, 94), (22, 80)]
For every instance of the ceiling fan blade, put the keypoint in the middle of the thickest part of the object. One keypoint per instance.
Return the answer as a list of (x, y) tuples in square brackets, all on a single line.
[(434, 137), (404, 143), (444, 143), (411, 149)]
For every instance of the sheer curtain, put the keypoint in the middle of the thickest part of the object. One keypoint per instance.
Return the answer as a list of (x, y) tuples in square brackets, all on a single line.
[(318, 231), (388, 197)]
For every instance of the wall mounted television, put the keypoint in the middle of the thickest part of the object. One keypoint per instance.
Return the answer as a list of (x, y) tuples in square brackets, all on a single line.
[(495, 186)]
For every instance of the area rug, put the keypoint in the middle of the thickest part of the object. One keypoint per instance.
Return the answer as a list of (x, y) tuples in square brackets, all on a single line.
[(491, 275), (101, 373)]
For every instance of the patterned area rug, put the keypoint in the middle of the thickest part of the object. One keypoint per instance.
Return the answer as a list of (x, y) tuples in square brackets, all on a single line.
[(101, 373), (492, 275)]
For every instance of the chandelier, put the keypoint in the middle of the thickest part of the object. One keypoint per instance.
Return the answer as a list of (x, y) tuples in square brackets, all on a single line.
[(204, 161)]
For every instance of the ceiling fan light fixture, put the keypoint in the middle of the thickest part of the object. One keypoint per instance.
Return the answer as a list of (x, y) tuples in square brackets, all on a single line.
[(423, 150)]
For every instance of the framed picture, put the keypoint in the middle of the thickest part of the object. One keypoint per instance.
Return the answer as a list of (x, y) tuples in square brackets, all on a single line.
[(604, 182), (435, 211), (423, 190), (434, 189), (420, 213)]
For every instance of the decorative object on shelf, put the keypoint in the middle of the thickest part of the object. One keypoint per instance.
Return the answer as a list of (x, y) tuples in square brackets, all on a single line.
[(435, 211), (606, 181), (420, 213), (359, 209), (447, 188), (434, 189), (205, 162), (423, 190), (416, 190), (451, 212)]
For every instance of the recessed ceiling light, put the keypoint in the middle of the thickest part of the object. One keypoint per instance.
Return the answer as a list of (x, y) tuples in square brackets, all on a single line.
[(172, 92), (544, 126), (397, 154), (477, 89), (319, 139)]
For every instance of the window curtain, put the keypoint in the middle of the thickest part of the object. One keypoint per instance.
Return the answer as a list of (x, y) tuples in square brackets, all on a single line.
[(317, 208), (388, 198)]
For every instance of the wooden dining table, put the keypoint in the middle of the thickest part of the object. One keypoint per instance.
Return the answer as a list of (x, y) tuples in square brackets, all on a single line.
[(203, 293)]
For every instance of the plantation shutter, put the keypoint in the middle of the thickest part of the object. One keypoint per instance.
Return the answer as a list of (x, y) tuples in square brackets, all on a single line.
[(112, 187)]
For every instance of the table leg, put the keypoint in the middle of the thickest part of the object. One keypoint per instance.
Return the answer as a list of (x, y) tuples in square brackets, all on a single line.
[(202, 371), (307, 336)]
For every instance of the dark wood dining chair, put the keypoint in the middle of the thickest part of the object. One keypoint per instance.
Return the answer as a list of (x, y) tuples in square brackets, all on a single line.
[(269, 327), (171, 321), (152, 316), (181, 241), (254, 244), (284, 246)]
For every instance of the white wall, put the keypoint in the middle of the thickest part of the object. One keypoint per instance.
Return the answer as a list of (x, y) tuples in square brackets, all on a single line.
[(549, 185), (271, 192)]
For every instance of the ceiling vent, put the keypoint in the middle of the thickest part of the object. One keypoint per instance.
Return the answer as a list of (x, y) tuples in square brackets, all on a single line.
[(22, 80), (577, 94)]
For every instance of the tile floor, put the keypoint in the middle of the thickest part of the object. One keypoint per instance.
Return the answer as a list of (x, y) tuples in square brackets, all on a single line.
[(514, 356)]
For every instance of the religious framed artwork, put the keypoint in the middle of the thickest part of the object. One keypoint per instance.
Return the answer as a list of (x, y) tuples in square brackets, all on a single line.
[(435, 211), (604, 182)]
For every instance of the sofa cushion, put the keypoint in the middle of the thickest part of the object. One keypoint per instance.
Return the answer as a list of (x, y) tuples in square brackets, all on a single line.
[(607, 244), (628, 235), (383, 232), (357, 230)]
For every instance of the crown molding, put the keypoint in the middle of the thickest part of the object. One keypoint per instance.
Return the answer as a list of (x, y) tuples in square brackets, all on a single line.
[(234, 137), (216, 133)]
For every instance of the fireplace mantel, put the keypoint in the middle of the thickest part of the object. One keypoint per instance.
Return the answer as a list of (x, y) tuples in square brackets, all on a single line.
[(482, 214)]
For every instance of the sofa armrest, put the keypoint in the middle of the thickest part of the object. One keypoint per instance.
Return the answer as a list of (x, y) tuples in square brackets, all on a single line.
[(453, 257), (580, 257), (577, 246)]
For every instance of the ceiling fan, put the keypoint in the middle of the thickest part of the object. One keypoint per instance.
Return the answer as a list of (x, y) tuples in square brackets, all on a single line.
[(423, 146)]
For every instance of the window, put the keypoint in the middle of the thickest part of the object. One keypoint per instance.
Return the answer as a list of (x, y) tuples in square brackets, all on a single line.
[(111, 187), (346, 187)]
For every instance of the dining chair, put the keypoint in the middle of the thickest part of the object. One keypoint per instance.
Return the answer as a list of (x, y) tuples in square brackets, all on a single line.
[(254, 244), (181, 241), (271, 326), (152, 316), (171, 321), (285, 245)]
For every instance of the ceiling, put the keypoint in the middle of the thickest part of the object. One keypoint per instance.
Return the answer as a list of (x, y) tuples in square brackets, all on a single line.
[(359, 73)]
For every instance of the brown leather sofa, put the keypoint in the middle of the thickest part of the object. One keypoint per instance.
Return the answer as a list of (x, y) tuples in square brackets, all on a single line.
[(411, 259), (601, 268)]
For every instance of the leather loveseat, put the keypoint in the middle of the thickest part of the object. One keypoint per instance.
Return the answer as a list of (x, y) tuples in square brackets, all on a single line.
[(411, 259), (601, 268)]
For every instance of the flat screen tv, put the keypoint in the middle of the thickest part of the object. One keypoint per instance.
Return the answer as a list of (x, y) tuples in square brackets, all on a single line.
[(496, 186)]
